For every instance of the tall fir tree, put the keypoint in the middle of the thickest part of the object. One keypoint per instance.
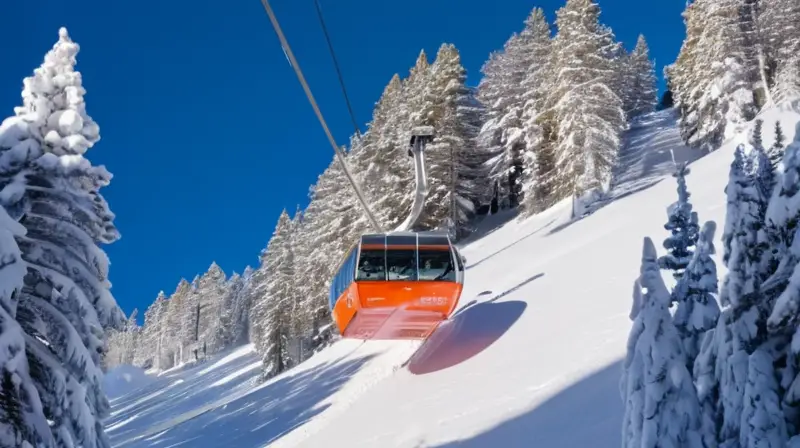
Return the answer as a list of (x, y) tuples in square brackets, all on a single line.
[(456, 178), (716, 73), (65, 306), (274, 305), (587, 111), (640, 83)]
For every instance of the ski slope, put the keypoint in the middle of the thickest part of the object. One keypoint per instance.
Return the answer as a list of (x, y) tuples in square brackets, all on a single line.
[(532, 356)]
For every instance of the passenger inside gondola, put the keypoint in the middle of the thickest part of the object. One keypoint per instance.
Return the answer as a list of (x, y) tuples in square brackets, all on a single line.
[(402, 264), (436, 265), (371, 265)]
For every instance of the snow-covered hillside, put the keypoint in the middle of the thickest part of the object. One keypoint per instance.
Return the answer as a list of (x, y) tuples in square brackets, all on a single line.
[(532, 356)]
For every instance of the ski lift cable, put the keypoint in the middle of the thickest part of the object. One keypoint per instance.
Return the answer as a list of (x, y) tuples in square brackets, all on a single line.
[(339, 153), (336, 66)]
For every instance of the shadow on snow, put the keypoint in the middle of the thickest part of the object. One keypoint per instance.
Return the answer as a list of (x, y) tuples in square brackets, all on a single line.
[(587, 413), (498, 252), (259, 416), (473, 329)]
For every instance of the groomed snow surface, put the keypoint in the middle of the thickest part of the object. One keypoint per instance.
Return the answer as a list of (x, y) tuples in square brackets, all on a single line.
[(531, 358)]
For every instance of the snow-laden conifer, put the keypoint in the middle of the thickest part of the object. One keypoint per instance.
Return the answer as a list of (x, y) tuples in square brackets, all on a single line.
[(787, 81), (763, 421), (683, 226), (587, 110), (22, 418), (661, 407), (53, 191), (273, 308), (641, 93), (776, 150), (456, 171), (715, 74), (697, 309)]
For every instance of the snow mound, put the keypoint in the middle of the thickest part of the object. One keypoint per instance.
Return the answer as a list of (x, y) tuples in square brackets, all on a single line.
[(124, 379)]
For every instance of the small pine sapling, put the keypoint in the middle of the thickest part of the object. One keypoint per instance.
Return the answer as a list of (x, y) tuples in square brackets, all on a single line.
[(683, 225), (776, 151)]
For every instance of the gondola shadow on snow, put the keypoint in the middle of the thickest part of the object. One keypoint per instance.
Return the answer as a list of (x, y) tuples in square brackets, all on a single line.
[(469, 332)]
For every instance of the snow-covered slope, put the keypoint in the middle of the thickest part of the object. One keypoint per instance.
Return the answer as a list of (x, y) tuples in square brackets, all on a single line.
[(532, 356)]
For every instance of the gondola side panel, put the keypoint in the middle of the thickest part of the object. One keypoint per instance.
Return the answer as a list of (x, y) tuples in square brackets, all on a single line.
[(347, 305)]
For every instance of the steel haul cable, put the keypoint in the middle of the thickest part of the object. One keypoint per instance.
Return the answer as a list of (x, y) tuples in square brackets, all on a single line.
[(339, 153), (336, 66)]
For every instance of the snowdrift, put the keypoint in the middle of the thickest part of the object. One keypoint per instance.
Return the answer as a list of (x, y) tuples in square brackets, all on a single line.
[(532, 355)]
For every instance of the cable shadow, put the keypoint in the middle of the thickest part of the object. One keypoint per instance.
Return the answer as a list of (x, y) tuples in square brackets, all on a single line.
[(489, 224), (498, 252), (587, 413), (603, 203)]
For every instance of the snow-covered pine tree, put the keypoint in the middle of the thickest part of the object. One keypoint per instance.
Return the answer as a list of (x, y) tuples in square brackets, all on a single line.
[(22, 419), (640, 84), (707, 387), (456, 179), (223, 330), (763, 421), (386, 171), (741, 336), (260, 305), (661, 406), (697, 309), (178, 322), (496, 92), (779, 26), (736, 177), (243, 305), (783, 214), (512, 90), (717, 75), (332, 225), (538, 161), (587, 110), (153, 335), (226, 331), (667, 100), (211, 289), (274, 307), (689, 76), (775, 152), (754, 50), (129, 339), (189, 322), (294, 300), (66, 305), (418, 99), (787, 81), (121, 344), (763, 170), (683, 226)]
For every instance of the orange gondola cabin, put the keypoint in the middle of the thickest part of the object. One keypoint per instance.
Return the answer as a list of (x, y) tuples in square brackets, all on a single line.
[(398, 285)]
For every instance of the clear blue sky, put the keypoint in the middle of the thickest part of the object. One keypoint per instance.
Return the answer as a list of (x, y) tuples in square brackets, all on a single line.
[(207, 131)]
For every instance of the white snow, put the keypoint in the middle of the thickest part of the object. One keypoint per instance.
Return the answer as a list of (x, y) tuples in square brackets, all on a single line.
[(531, 358), (123, 380)]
